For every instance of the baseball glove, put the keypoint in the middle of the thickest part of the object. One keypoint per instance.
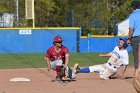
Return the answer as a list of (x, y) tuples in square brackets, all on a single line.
[(64, 72), (136, 82)]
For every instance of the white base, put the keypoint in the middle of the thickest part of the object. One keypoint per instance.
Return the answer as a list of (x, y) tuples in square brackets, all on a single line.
[(19, 79)]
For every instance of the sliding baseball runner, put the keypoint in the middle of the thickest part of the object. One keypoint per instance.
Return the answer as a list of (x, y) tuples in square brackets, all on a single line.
[(118, 58)]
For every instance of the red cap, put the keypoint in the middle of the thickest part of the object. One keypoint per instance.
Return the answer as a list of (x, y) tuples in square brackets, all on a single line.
[(57, 39)]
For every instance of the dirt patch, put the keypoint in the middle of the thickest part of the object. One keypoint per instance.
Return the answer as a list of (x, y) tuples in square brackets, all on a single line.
[(41, 82)]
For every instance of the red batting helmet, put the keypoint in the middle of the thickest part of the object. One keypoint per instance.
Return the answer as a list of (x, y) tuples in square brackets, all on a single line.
[(57, 39)]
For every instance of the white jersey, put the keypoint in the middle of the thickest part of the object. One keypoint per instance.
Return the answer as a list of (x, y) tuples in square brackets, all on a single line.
[(119, 57)]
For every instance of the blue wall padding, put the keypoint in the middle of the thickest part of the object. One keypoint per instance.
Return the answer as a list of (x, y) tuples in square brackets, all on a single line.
[(103, 44), (41, 39), (37, 42), (84, 45), (99, 44)]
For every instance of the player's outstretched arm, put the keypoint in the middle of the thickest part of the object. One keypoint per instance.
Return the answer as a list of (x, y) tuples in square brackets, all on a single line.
[(123, 71), (105, 55)]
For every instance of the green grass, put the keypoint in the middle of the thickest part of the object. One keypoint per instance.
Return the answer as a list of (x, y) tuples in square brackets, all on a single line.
[(11, 60), (87, 59)]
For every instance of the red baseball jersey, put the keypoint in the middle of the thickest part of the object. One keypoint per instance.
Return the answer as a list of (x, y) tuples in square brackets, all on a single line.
[(53, 55)]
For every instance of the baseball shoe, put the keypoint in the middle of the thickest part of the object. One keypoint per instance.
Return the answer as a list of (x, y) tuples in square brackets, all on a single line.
[(76, 68), (58, 79)]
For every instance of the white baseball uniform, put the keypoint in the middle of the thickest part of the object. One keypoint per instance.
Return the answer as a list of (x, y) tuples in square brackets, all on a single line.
[(117, 59)]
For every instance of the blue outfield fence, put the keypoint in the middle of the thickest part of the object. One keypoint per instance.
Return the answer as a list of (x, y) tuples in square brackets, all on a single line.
[(28, 40), (100, 44), (37, 40)]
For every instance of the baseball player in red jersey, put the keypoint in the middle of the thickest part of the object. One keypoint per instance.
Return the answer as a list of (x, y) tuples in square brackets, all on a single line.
[(57, 58)]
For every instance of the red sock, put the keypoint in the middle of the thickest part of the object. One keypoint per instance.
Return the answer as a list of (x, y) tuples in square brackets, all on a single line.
[(58, 69)]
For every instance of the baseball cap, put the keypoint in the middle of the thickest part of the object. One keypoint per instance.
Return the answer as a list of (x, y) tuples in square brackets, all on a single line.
[(135, 4), (125, 45), (57, 39)]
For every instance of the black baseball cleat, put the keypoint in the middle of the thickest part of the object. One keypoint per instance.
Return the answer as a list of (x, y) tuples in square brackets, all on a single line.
[(58, 79)]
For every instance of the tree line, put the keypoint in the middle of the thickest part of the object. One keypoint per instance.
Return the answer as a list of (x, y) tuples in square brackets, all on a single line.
[(93, 16)]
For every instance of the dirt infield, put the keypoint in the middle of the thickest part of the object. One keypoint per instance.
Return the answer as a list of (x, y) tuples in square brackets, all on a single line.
[(41, 82)]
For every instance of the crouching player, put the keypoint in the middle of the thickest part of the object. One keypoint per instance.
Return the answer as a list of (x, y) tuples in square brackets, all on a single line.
[(57, 59), (118, 58)]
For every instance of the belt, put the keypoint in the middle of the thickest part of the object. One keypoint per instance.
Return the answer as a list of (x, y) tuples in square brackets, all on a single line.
[(112, 65)]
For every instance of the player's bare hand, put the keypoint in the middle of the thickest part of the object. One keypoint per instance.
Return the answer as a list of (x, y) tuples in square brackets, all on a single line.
[(65, 66), (101, 55), (122, 77), (48, 68)]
